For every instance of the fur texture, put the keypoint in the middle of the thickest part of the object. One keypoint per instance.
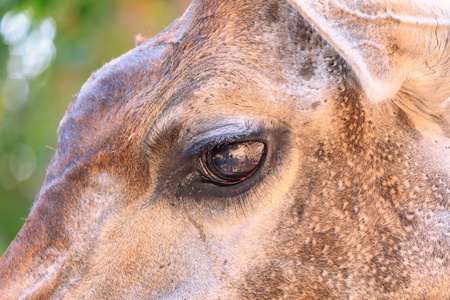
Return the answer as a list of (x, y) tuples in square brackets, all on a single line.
[(351, 201)]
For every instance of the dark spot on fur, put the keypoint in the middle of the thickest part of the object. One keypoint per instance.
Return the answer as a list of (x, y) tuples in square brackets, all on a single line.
[(315, 104), (300, 209), (303, 34), (307, 71), (268, 282), (405, 123), (407, 218), (273, 12), (264, 282)]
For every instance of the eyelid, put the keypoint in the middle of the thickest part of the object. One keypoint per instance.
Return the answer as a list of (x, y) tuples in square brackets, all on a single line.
[(213, 141)]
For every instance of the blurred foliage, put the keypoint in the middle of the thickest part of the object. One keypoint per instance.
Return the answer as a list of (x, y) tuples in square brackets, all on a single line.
[(88, 34)]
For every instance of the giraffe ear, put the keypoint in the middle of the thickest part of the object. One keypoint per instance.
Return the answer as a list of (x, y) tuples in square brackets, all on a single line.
[(392, 45)]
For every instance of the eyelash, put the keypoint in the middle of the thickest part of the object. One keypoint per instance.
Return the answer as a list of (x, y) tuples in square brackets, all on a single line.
[(208, 144)]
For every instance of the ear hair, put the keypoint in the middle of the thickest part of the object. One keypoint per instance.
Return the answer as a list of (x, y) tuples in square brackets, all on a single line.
[(390, 44)]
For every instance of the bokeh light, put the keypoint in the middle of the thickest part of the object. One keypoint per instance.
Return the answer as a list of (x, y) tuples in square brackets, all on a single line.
[(31, 51)]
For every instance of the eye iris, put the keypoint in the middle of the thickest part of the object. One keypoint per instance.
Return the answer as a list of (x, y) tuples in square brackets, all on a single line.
[(234, 162)]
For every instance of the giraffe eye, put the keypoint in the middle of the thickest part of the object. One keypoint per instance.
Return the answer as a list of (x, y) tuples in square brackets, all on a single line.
[(233, 162)]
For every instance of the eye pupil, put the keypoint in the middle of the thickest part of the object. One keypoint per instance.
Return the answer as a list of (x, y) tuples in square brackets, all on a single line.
[(234, 162)]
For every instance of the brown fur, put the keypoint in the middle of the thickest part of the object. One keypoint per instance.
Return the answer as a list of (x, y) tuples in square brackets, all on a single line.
[(350, 202)]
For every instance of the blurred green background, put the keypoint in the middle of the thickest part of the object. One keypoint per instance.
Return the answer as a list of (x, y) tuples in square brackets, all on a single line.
[(48, 49)]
